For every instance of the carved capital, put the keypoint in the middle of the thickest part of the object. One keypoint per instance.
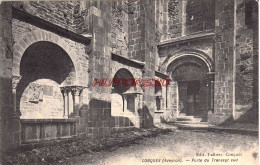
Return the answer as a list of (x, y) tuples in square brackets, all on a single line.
[(15, 81), (211, 76), (76, 90), (159, 97), (124, 97), (64, 91)]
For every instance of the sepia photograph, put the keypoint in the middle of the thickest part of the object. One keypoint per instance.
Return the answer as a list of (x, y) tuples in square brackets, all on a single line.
[(129, 82)]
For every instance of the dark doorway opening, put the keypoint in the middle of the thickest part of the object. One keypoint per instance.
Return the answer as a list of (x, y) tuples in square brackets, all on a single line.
[(193, 99)]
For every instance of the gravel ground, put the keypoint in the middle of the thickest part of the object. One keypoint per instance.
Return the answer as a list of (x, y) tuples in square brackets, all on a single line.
[(180, 147)]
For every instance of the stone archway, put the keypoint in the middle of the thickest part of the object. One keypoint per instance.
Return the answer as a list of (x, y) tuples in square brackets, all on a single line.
[(45, 69), (192, 76), (29, 38), (123, 84), (125, 99)]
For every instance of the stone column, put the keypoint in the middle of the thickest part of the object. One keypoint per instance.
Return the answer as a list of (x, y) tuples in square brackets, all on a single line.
[(15, 81), (124, 102), (65, 93), (136, 100), (168, 96), (171, 90), (76, 93), (210, 84), (161, 103)]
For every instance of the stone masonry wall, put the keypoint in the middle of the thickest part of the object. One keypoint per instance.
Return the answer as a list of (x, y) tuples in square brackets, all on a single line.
[(99, 111), (179, 18), (199, 15), (136, 30), (59, 13), (150, 50), (169, 19), (119, 24), (9, 124), (244, 60), (224, 61)]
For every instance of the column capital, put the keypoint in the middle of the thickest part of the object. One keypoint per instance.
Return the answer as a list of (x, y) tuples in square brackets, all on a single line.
[(160, 97), (124, 96), (76, 90), (211, 76), (64, 90), (15, 81)]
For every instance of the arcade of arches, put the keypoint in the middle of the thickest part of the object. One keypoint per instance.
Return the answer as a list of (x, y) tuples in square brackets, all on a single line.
[(51, 52)]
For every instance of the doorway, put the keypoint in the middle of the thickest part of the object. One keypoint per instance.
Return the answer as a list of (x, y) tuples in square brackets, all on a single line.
[(193, 99), (190, 97)]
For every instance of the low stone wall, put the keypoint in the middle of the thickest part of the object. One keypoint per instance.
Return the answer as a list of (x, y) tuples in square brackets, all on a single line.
[(47, 129)]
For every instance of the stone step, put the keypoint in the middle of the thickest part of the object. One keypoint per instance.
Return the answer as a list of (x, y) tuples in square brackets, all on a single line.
[(189, 118), (182, 114), (191, 122), (184, 118), (192, 125)]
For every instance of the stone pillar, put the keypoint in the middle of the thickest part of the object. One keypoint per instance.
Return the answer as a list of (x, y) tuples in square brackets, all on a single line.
[(225, 62), (65, 92), (15, 81), (210, 84), (76, 93), (172, 96), (168, 96), (136, 100), (124, 102), (161, 103), (10, 128)]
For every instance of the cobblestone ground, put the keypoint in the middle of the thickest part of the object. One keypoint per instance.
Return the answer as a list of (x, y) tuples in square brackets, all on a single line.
[(181, 147)]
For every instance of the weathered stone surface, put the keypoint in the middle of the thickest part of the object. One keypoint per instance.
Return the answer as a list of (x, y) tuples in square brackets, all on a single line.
[(203, 40)]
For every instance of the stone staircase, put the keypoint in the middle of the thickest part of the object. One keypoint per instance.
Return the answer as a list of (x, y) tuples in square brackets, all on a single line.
[(184, 121)]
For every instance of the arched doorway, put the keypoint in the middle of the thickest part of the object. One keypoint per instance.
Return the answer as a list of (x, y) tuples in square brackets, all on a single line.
[(45, 68), (191, 74)]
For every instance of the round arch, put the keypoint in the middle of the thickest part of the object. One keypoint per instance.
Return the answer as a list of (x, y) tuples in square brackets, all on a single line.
[(44, 68), (36, 36), (190, 53), (124, 74), (189, 70)]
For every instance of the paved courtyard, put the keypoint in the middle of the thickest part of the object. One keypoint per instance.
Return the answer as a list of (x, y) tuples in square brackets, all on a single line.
[(181, 147)]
